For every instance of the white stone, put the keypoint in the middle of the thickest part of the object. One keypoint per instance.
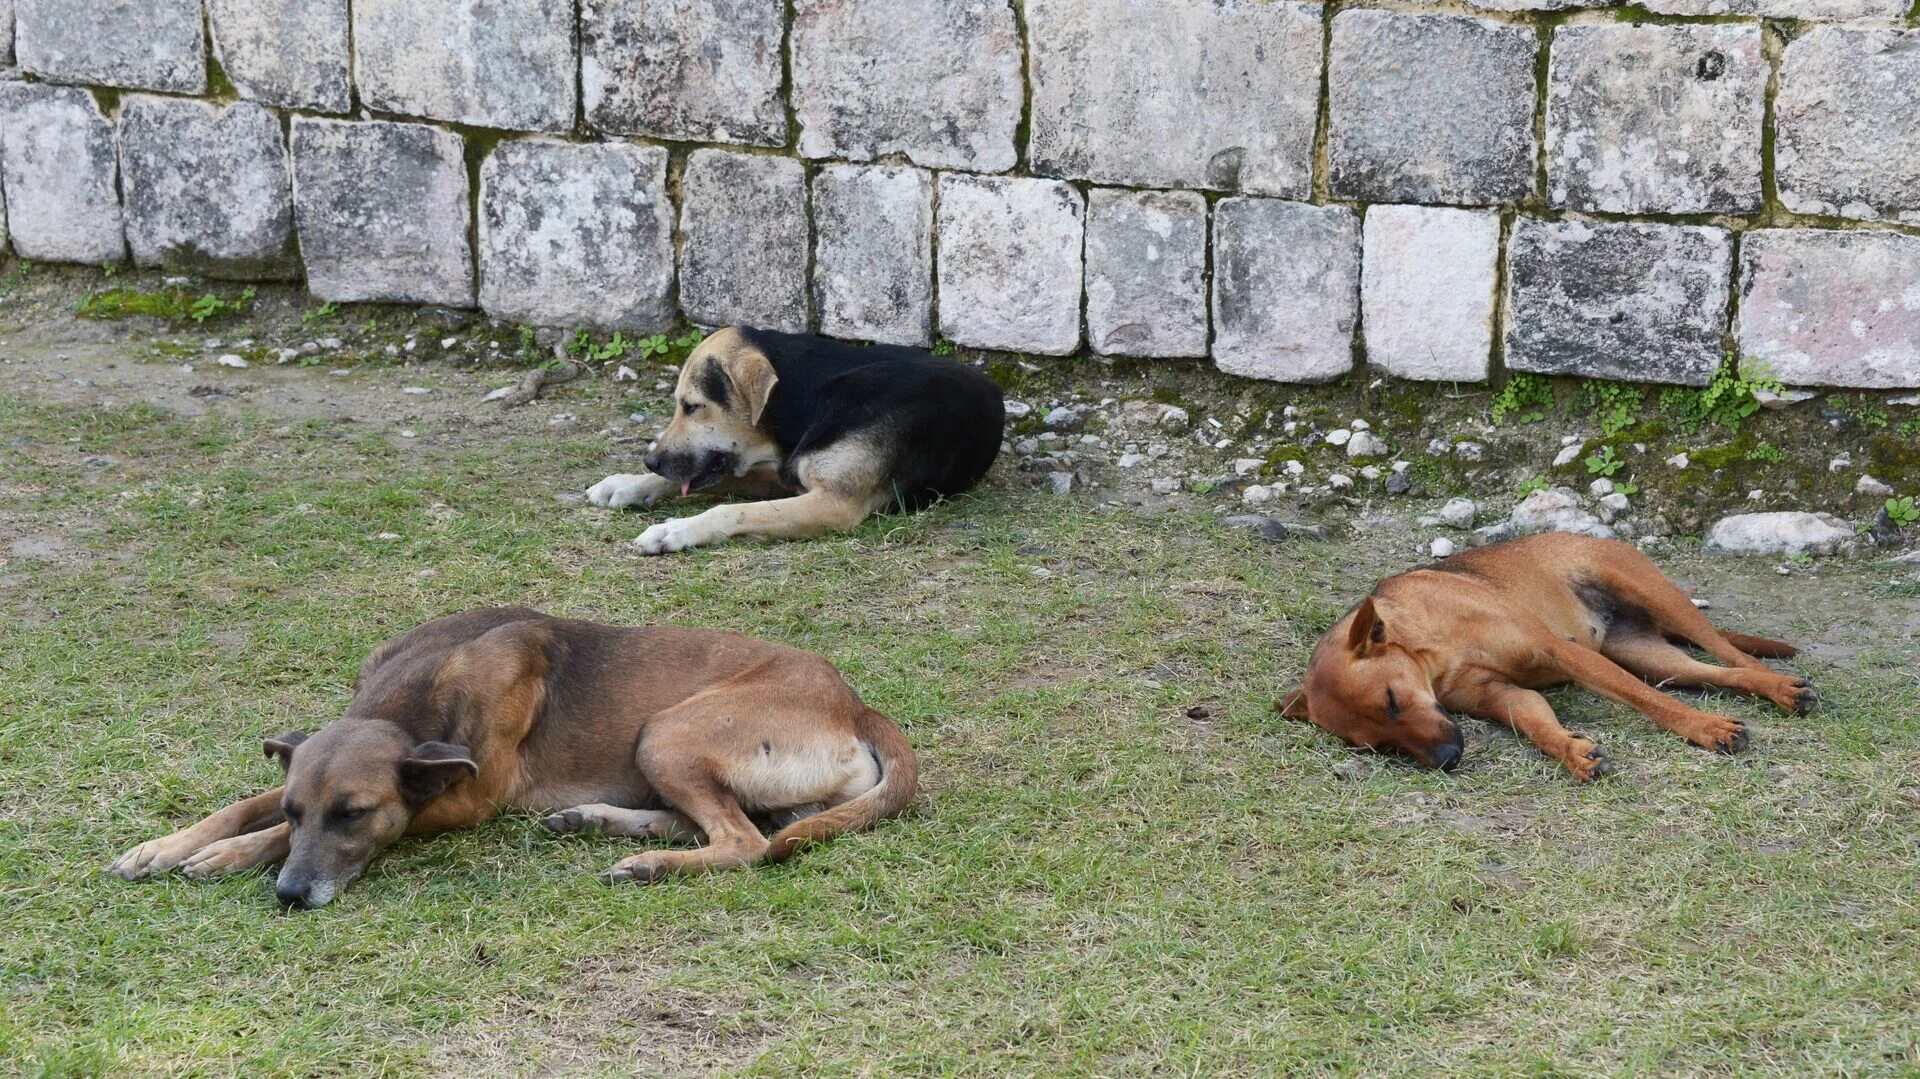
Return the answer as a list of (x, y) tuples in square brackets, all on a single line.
[(1216, 94), (1440, 548), (692, 70), (1367, 444), (1339, 436), (1872, 488), (1430, 108), (1778, 533), (744, 238), (1600, 487), (1566, 455), (1339, 482), (1557, 509), (1822, 307), (1649, 118), (1286, 284), (1469, 451), (873, 253), (1427, 291), (57, 165), (1848, 124), (382, 211), (230, 360), (290, 53), (506, 63), (937, 81), (132, 44), (1146, 266), (1458, 513), (576, 235), (1009, 267), (1679, 460), (1804, 10), (1256, 495), (206, 188)]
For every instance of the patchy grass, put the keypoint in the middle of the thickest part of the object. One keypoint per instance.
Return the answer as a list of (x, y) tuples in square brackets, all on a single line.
[(1094, 882)]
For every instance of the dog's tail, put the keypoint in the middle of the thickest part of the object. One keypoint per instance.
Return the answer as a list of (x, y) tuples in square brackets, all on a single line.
[(1760, 647), (899, 780)]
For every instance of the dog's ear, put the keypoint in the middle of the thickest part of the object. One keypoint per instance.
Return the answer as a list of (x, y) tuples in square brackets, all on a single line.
[(432, 767), (1293, 705), (752, 375), (1367, 629), (283, 747)]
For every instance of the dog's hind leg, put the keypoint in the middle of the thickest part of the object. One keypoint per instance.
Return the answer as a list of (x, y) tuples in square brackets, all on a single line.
[(732, 840), (159, 855), (1596, 672), (1530, 714), (1651, 657), (617, 820), (1640, 584)]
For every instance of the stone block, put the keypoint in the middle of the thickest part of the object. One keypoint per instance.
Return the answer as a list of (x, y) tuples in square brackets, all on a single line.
[(132, 44), (1630, 301), (1009, 266), (1803, 10), (506, 63), (873, 259), (1427, 291), (744, 236), (691, 70), (60, 174), (1286, 289), (1847, 122), (577, 235), (1217, 94), (382, 210), (1430, 108), (206, 188), (1822, 307), (1146, 268), (934, 80), (1649, 118), (289, 53), (6, 32)]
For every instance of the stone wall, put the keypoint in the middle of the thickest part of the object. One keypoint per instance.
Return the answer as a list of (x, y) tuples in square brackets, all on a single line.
[(1293, 190)]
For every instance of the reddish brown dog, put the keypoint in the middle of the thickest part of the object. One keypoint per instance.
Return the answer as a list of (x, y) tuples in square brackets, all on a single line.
[(1482, 631), (661, 732)]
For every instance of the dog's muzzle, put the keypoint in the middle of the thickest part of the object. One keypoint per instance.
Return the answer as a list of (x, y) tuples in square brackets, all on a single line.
[(691, 474)]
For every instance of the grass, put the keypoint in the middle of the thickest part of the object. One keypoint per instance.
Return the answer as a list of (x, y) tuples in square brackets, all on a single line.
[(1093, 883)]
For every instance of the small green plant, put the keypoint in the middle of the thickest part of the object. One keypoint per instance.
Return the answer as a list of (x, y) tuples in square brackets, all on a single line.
[(944, 347), (654, 346), (315, 315), (212, 305), (1626, 488), (1525, 394), (1864, 411), (1902, 511), (580, 344), (1911, 428), (690, 340), (1530, 485), (109, 269), (1605, 462), (1614, 404), (1730, 398), (1768, 452)]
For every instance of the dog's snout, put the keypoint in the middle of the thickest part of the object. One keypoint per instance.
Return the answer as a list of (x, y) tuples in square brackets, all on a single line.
[(652, 461), (291, 894), (1446, 756)]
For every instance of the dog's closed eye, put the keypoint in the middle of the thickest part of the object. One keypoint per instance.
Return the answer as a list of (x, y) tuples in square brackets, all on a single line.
[(1393, 706)]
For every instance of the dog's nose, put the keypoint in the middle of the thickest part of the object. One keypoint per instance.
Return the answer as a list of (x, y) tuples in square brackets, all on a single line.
[(1447, 757), (652, 461), (291, 896)]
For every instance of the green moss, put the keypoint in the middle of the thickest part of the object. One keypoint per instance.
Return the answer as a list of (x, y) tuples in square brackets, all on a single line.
[(1166, 395), (113, 304), (1894, 459)]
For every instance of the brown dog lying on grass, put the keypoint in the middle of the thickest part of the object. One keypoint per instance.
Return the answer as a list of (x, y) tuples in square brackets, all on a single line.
[(1480, 632), (657, 732)]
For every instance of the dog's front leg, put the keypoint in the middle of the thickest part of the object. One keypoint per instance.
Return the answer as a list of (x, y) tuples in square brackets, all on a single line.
[(160, 855), (809, 514), (241, 853), (626, 489), (1530, 714)]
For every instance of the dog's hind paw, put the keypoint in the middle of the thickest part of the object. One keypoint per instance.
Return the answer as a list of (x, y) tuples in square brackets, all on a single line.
[(639, 869)]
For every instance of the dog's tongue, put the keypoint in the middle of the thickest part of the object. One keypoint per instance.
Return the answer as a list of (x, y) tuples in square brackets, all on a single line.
[(686, 488)]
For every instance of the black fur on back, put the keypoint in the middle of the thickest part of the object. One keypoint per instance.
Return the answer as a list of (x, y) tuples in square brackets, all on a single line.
[(938, 422)]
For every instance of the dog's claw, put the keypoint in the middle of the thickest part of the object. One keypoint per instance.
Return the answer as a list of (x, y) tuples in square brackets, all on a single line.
[(639, 869), (568, 820)]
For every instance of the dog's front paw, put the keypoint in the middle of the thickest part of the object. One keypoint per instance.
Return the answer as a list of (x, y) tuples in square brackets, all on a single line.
[(1794, 695), (639, 869), (153, 856), (1586, 761), (1722, 734), (622, 490), (677, 535)]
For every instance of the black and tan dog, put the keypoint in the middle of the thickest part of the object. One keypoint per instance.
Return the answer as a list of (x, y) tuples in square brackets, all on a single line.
[(827, 432), (658, 732), (1482, 631)]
